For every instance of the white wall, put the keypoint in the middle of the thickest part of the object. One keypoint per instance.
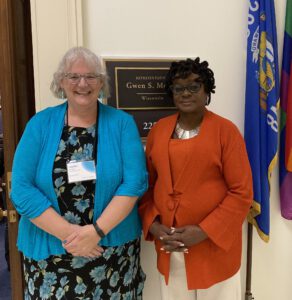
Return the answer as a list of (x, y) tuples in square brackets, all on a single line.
[(213, 30), (56, 26)]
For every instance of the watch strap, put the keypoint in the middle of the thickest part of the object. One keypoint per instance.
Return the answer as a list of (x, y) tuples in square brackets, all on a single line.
[(98, 230)]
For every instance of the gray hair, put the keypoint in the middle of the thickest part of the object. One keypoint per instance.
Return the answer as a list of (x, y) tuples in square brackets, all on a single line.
[(71, 56)]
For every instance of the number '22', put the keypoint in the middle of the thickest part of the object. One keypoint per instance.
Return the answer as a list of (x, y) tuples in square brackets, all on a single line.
[(148, 125)]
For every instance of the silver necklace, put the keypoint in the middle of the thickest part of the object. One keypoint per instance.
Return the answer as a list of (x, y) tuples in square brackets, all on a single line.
[(185, 134)]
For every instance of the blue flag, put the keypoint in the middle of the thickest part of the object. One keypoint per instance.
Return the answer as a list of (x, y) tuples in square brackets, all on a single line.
[(261, 104)]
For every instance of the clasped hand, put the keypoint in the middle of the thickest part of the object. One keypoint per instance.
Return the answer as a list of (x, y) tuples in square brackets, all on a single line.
[(177, 239), (83, 241)]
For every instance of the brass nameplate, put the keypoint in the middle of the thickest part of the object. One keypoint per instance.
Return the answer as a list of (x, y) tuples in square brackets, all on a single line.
[(138, 87)]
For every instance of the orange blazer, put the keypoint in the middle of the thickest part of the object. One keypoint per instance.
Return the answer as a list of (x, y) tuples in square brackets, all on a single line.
[(213, 191)]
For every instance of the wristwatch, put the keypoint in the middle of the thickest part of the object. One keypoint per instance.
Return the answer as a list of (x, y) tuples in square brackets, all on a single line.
[(98, 230)]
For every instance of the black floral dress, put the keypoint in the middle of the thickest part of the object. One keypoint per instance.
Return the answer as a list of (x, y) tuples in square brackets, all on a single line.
[(116, 275)]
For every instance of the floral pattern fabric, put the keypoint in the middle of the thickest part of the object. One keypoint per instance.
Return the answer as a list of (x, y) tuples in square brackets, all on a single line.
[(116, 275), (75, 199)]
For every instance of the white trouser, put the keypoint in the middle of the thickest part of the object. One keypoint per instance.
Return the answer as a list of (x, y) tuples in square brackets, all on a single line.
[(176, 289)]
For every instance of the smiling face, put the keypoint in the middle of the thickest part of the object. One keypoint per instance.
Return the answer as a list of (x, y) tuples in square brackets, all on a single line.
[(187, 101), (83, 93)]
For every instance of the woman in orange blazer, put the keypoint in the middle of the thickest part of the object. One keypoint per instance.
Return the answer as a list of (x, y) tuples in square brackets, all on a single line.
[(200, 191)]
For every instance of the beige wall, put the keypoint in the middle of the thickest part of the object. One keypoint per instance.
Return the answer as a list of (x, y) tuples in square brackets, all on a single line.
[(213, 30)]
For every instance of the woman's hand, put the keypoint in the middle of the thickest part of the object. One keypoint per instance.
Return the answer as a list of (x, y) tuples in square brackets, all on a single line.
[(83, 242), (183, 237), (177, 239), (190, 235), (165, 235), (159, 230)]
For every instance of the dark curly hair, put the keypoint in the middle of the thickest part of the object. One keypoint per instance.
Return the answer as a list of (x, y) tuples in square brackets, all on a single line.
[(184, 68)]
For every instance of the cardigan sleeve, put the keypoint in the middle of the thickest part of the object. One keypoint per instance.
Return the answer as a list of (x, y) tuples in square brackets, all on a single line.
[(147, 209), (134, 168), (28, 200), (225, 221)]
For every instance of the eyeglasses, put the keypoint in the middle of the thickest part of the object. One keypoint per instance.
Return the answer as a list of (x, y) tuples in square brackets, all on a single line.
[(74, 78), (192, 88)]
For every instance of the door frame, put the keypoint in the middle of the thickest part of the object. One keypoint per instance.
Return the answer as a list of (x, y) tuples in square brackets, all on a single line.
[(17, 100)]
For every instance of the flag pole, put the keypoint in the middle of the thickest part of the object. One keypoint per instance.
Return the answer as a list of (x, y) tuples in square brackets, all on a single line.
[(248, 293)]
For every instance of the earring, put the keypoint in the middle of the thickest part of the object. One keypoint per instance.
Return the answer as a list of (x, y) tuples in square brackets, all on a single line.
[(62, 94), (100, 95), (207, 100)]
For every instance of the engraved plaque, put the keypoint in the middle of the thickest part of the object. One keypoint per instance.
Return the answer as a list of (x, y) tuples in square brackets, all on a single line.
[(137, 87)]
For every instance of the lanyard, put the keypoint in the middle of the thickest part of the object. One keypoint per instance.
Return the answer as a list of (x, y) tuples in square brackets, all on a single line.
[(95, 144)]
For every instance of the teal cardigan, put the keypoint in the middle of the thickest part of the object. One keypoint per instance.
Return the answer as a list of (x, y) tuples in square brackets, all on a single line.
[(121, 171)]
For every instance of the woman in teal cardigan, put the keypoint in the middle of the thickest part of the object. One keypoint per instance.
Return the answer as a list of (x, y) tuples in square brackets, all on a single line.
[(80, 239)]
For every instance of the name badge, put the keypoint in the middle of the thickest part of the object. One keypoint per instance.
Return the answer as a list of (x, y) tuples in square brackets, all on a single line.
[(80, 170)]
